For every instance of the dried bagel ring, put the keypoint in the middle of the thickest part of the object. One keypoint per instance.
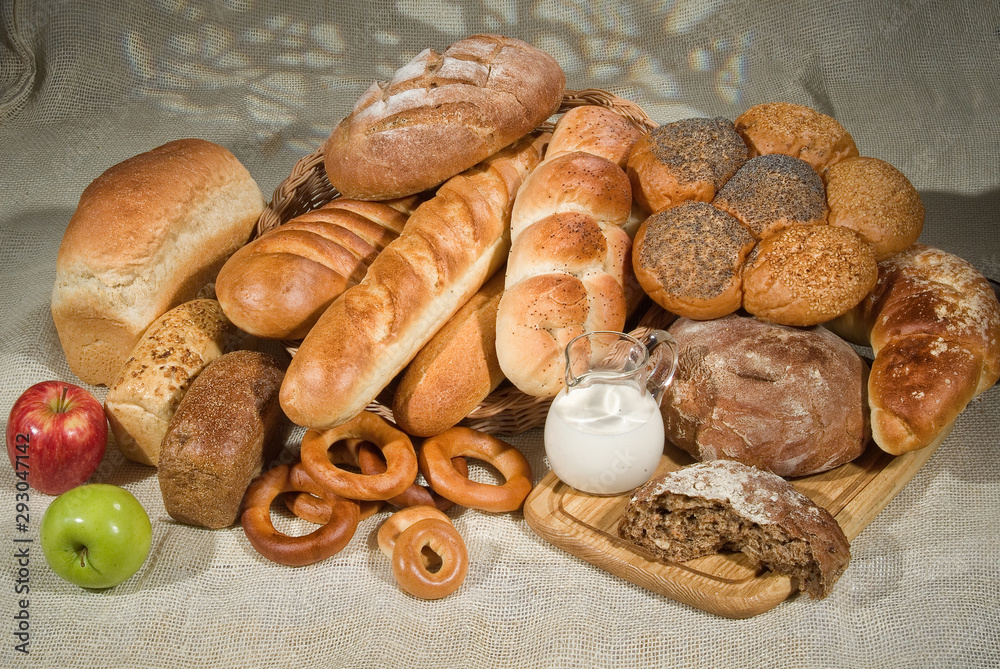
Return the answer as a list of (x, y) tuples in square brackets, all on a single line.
[(411, 570), (394, 525), (435, 464), (416, 495), (396, 447), (295, 551), (314, 509)]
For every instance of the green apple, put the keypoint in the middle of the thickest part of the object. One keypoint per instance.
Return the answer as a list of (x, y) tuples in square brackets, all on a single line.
[(95, 535)]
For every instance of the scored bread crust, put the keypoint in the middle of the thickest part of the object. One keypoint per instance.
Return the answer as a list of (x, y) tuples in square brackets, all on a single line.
[(450, 247), (147, 235), (440, 114)]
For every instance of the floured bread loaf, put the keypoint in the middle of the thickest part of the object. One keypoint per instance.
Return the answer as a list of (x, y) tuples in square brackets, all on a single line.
[(711, 507)]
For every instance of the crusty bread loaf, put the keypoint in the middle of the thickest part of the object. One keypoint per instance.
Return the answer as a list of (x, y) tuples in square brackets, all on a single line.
[(569, 265), (808, 274), (689, 259), (689, 159), (227, 428), (710, 507), (876, 200), (933, 323), (451, 245), (795, 130), (169, 355), (789, 400), (147, 235), (440, 114), (455, 371), (279, 284)]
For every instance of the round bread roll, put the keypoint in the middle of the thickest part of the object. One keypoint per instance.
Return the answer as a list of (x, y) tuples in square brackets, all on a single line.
[(808, 274), (685, 160), (795, 130), (773, 192), (875, 199), (789, 400), (688, 260)]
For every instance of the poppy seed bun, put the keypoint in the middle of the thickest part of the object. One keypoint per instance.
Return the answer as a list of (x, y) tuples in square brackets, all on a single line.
[(795, 130), (876, 200), (688, 259), (772, 192), (808, 274), (684, 160)]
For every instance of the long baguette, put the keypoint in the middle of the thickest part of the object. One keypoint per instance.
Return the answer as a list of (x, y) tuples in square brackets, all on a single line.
[(451, 245)]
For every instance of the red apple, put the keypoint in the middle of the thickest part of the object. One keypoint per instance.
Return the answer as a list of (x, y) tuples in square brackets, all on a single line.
[(56, 435)]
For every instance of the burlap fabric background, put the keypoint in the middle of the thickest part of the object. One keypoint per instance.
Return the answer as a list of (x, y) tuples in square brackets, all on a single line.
[(86, 84)]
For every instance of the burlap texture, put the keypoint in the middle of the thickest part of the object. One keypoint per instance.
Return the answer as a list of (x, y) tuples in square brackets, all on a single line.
[(85, 85)]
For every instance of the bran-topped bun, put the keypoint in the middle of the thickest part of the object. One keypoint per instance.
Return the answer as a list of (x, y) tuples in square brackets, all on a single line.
[(785, 399), (795, 130), (808, 274), (875, 199), (688, 259), (772, 192), (147, 235), (711, 507), (685, 160), (440, 114)]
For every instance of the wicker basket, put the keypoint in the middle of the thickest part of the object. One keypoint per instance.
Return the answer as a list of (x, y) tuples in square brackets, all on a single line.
[(507, 410)]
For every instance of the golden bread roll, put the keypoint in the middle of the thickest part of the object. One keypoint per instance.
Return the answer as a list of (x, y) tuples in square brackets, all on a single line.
[(440, 114), (933, 323), (148, 234), (685, 160), (689, 259), (808, 274), (452, 244), (169, 355), (873, 198), (771, 192), (279, 284), (798, 131)]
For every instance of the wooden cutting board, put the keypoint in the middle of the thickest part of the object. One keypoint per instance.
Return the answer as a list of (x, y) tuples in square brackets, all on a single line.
[(726, 584)]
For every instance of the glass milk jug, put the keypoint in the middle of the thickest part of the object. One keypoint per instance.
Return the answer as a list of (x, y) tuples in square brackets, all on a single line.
[(603, 432)]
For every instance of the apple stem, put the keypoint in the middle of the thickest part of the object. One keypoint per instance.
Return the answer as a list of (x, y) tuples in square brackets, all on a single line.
[(83, 557), (62, 400)]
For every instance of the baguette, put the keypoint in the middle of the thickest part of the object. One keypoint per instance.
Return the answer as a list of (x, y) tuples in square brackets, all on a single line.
[(278, 285), (148, 234), (440, 114), (451, 245), (455, 371), (933, 323), (227, 428), (569, 265), (170, 354)]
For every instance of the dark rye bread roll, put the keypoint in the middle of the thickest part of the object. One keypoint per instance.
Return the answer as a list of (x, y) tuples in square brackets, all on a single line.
[(685, 160), (772, 192), (710, 507), (688, 259), (789, 400), (440, 114)]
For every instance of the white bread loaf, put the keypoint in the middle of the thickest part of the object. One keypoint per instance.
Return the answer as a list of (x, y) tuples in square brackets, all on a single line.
[(449, 248), (169, 355), (933, 323), (440, 114), (569, 267), (279, 284), (147, 235)]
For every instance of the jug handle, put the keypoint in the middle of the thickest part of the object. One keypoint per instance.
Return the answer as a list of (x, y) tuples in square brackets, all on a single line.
[(663, 362)]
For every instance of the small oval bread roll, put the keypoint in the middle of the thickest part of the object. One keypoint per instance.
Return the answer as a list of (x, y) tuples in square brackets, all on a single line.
[(876, 200), (808, 274), (795, 130), (685, 160), (688, 260), (772, 192), (170, 354)]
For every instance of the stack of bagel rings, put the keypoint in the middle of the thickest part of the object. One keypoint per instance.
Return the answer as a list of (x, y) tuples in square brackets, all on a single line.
[(348, 473)]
